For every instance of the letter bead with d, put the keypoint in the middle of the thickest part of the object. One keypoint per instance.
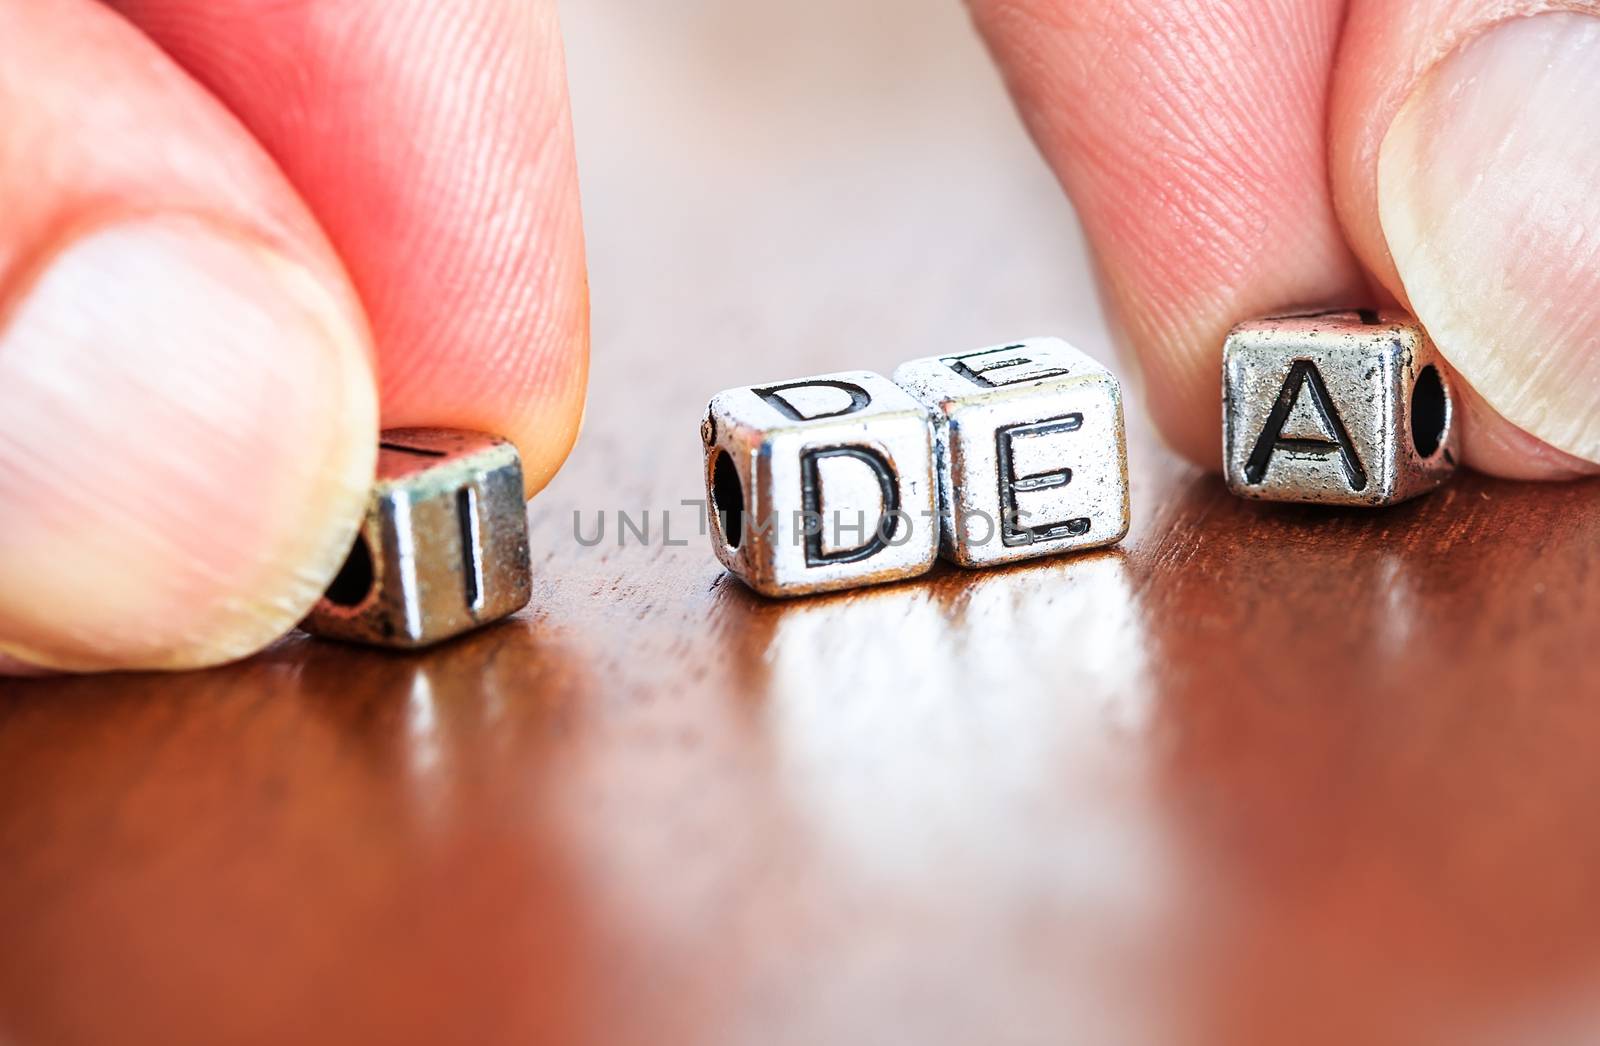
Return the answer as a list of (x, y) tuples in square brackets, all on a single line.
[(820, 484), (1031, 450)]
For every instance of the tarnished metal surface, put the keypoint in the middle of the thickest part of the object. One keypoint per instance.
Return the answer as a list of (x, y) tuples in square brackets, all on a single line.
[(820, 483), (1341, 408), (1032, 459), (443, 548)]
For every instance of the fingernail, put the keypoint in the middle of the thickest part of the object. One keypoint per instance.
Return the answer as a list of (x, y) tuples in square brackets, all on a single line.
[(1487, 195), (188, 428)]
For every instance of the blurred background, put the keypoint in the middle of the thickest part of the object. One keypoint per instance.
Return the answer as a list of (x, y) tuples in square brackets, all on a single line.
[(865, 152)]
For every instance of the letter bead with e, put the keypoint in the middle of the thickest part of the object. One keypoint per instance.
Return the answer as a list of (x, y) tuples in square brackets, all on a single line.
[(1030, 447)]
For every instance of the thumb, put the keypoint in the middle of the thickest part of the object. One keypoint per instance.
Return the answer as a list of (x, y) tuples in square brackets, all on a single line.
[(187, 412), (1467, 185), (179, 456)]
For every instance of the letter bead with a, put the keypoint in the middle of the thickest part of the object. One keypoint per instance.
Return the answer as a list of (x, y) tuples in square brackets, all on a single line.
[(1031, 451), (1339, 408), (820, 484)]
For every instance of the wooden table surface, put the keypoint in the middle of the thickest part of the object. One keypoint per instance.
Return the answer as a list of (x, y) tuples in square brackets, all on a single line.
[(1263, 774)]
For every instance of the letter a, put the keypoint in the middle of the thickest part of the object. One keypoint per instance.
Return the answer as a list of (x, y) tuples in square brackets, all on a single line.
[(1304, 374)]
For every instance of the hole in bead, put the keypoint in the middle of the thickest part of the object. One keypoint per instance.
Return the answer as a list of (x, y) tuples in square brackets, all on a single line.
[(1430, 412), (727, 498), (353, 583)]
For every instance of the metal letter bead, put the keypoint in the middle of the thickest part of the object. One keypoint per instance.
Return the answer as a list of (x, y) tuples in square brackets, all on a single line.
[(1032, 458), (1341, 408), (820, 484), (443, 548)]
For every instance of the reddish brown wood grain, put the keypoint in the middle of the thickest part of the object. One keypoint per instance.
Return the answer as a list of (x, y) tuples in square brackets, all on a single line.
[(1261, 774)]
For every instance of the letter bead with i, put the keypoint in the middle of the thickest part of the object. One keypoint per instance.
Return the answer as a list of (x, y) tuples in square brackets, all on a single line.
[(443, 548)]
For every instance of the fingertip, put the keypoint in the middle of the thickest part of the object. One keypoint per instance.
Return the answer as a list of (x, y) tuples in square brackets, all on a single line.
[(1463, 140), (187, 443), (1190, 137), (534, 396), (1484, 200), (1496, 447), (10, 666), (545, 438), (1178, 379), (435, 148)]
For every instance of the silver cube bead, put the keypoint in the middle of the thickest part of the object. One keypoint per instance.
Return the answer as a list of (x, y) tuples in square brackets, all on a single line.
[(443, 548), (1030, 447), (1338, 408), (820, 484)]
